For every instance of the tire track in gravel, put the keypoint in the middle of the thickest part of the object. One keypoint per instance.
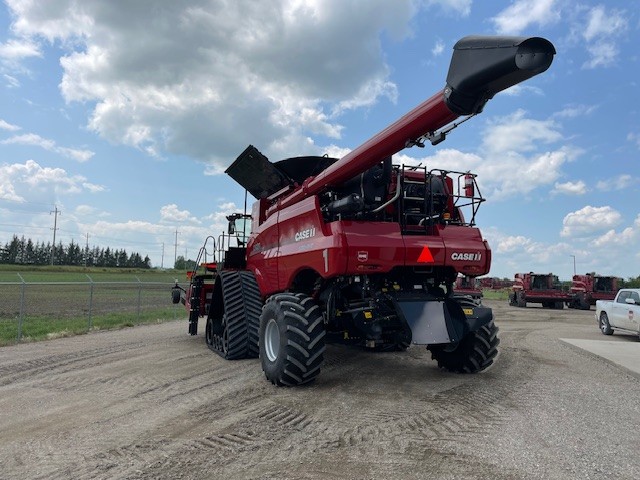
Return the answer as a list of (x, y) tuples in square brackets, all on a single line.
[(463, 414), (204, 441), (58, 363), (369, 415)]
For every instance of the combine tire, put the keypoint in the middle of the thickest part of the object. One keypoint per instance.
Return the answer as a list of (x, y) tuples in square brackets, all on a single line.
[(605, 327), (235, 335), (520, 300), (291, 339), (584, 304), (474, 353), (512, 299)]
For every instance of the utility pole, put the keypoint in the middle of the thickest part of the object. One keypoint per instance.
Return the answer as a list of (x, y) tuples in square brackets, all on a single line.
[(86, 250), (574, 264), (55, 227), (175, 253), (162, 258)]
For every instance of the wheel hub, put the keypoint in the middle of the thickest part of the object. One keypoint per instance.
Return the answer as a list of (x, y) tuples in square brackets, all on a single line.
[(272, 340)]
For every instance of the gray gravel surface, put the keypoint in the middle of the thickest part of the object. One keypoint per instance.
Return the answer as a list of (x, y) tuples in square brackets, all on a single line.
[(153, 402)]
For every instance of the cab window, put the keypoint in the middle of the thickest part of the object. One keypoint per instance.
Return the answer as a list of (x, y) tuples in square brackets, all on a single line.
[(623, 297)]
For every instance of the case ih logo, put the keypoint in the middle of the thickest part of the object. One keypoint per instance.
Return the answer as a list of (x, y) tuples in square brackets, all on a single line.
[(469, 257), (363, 256), (304, 234)]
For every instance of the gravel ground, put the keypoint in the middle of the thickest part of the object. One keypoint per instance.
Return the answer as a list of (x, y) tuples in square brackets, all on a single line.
[(153, 402)]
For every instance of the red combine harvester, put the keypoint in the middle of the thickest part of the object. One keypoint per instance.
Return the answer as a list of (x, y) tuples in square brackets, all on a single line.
[(358, 250), (586, 289), (466, 286), (494, 283), (544, 288)]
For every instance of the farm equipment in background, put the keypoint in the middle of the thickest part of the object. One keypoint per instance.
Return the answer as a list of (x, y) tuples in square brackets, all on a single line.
[(494, 283), (544, 288), (358, 250), (589, 288), (466, 286)]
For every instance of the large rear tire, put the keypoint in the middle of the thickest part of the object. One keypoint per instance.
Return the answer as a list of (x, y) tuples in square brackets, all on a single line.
[(291, 339), (474, 353)]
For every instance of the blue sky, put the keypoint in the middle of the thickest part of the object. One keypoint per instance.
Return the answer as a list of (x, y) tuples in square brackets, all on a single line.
[(124, 114)]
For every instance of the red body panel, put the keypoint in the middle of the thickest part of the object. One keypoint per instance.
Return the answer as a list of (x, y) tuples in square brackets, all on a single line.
[(539, 293), (586, 284), (296, 238)]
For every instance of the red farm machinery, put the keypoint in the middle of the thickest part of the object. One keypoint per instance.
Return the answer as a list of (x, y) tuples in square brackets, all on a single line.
[(586, 289), (468, 286), (359, 250), (544, 288)]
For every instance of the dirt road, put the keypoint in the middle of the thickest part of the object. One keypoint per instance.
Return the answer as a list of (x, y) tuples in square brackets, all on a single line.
[(153, 402)]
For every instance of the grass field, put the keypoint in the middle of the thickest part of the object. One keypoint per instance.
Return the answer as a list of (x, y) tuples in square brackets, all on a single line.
[(44, 302), (62, 301), (12, 273), (495, 294)]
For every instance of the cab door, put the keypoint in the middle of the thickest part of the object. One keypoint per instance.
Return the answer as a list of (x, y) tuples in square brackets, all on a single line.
[(619, 311), (633, 313)]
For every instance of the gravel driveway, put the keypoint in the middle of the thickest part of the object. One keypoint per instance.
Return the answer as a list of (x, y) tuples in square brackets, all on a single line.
[(152, 402)]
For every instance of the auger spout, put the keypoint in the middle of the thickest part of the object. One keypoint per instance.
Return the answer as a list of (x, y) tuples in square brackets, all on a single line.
[(481, 66)]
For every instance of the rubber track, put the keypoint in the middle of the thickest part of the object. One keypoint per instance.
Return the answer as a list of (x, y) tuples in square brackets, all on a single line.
[(253, 309), (242, 306)]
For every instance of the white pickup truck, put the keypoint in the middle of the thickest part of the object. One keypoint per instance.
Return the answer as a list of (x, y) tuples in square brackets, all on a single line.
[(623, 313)]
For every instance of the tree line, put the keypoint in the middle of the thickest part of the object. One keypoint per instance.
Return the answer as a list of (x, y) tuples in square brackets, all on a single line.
[(21, 251)]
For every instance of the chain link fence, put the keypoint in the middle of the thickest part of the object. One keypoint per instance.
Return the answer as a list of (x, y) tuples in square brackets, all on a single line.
[(36, 310)]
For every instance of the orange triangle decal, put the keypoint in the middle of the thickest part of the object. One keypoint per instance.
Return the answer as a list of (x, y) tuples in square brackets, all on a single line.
[(425, 256)]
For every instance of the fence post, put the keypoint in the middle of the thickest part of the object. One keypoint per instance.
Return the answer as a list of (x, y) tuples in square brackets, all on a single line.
[(139, 297), (21, 318), (89, 323)]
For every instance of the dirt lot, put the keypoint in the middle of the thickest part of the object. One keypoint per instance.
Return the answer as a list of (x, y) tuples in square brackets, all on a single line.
[(153, 402)]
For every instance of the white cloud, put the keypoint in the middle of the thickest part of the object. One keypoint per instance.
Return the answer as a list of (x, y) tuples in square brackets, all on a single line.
[(463, 7), (574, 111), (512, 243), (172, 214), (571, 188), (14, 50), (272, 72), (84, 210), (619, 182), (518, 253), (438, 48), (517, 133), (519, 89), (516, 156), (589, 220), (7, 126), (635, 138), (522, 13), (26, 182), (12, 82), (628, 236), (602, 54), (601, 23), (50, 145), (601, 30)]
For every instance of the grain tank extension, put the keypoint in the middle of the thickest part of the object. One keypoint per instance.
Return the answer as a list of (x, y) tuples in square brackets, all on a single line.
[(359, 250)]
